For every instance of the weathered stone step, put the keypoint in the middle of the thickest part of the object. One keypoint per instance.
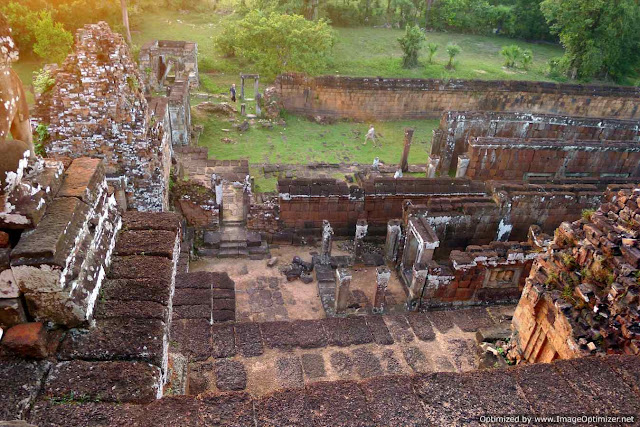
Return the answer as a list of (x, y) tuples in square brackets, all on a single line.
[(233, 245), (232, 253)]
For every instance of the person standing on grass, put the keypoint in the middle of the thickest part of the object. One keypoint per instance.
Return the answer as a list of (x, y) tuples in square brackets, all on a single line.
[(232, 91), (371, 135)]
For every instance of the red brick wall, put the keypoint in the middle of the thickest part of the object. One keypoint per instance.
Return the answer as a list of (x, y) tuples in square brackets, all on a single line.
[(512, 159)]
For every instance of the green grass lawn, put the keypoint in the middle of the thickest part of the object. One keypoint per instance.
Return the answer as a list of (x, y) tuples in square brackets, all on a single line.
[(302, 141)]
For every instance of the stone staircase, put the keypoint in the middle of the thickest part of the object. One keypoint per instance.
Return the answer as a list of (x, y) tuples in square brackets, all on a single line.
[(234, 241)]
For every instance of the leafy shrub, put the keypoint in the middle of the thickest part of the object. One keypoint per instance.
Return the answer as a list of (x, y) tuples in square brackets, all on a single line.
[(527, 58), (411, 43), (42, 81), (41, 138), (511, 54), (433, 48)]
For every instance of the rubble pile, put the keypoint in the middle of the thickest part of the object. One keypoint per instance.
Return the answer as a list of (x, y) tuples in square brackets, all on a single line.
[(97, 108), (583, 292)]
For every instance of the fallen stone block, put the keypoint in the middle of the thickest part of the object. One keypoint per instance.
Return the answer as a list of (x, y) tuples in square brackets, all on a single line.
[(12, 312), (27, 340)]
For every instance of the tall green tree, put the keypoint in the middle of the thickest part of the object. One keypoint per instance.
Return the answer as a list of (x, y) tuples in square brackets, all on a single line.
[(278, 43), (601, 37), (53, 42)]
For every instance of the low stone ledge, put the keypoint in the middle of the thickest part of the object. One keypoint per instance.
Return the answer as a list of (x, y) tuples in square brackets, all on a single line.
[(141, 267), (135, 220), (82, 381), (146, 242), (118, 339), (136, 290)]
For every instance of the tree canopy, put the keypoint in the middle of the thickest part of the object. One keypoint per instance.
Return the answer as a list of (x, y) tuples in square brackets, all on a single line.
[(277, 43), (600, 37)]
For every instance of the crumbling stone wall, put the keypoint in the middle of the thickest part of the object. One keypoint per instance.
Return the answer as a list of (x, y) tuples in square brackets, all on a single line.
[(97, 108), (157, 55), (264, 217), (180, 113), (582, 293), (462, 212), (457, 127), (387, 99), (493, 273), (515, 158)]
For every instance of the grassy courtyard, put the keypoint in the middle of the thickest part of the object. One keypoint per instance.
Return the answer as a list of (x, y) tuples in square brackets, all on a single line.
[(302, 141)]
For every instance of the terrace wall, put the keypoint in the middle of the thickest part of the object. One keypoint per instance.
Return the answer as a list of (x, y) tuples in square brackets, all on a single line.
[(367, 98)]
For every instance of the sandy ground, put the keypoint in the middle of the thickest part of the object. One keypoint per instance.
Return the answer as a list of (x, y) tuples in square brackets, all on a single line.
[(300, 300)]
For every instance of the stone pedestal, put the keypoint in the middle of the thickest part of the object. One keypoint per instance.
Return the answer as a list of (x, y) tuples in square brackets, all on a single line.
[(243, 109), (432, 167), (343, 283), (327, 242), (463, 164), (394, 232), (404, 161), (383, 274), (361, 232)]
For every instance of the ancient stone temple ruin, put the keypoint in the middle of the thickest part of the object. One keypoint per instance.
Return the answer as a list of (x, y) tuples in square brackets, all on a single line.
[(97, 108), (163, 62), (377, 299)]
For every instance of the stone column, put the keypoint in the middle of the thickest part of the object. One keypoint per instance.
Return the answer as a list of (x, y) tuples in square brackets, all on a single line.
[(383, 274), (258, 98), (361, 232), (243, 109), (256, 87), (327, 240), (434, 161), (463, 164), (343, 282), (394, 232), (404, 162), (242, 88)]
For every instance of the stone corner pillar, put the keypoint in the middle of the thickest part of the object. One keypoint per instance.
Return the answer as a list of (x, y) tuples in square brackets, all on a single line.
[(343, 283), (392, 244), (463, 165), (432, 167), (327, 241), (418, 282), (361, 232), (383, 274)]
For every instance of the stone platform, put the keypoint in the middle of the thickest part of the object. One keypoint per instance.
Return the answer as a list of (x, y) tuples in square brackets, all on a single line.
[(595, 385)]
